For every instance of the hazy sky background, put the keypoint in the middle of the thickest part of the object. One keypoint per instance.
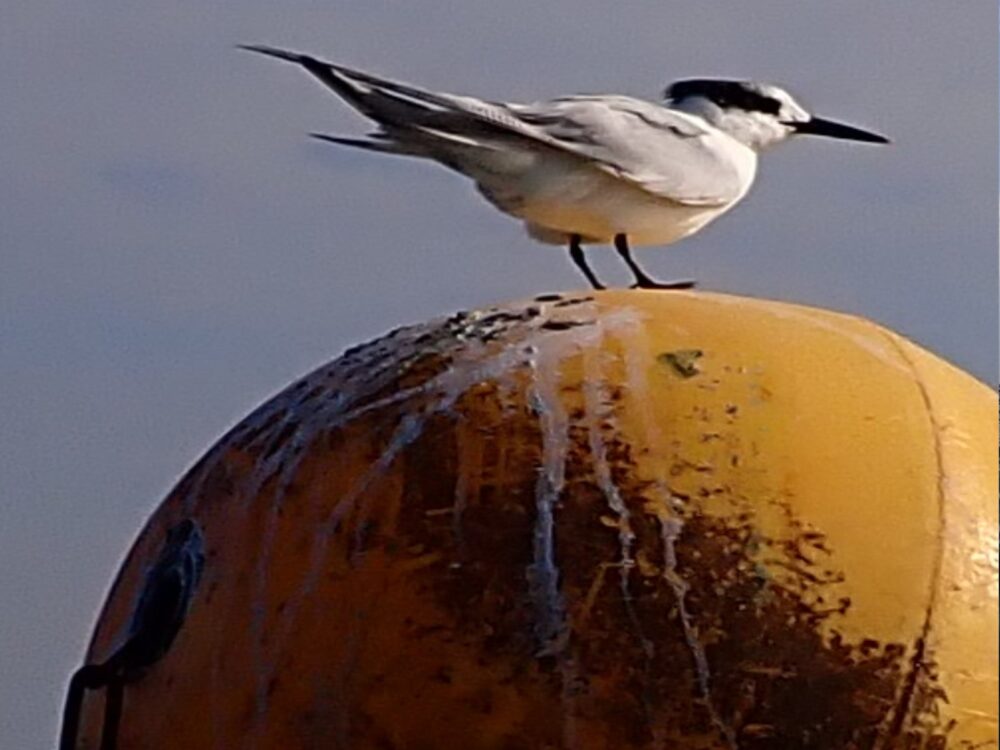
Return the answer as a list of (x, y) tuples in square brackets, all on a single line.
[(173, 249)]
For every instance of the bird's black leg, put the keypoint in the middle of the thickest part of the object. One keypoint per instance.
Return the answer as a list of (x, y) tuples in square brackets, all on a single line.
[(642, 280), (576, 253)]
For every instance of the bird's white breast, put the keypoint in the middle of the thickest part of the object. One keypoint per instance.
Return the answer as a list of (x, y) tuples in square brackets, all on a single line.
[(558, 195)]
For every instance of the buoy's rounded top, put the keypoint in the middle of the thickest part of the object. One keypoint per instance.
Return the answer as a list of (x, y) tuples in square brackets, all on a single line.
[(612, 520)]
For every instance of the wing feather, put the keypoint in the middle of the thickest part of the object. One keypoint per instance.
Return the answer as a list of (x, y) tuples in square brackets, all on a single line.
[(666, 153)]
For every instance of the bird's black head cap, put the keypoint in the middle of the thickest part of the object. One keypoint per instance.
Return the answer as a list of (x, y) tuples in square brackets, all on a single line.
[(726, 94)]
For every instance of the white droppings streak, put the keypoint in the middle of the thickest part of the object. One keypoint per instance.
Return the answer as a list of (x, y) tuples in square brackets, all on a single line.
[(333, 412), (671, 528), (543, 574), (595, 396), (552, 627), (461, 498), (448, 387), (552, 631), (282, 431), (597, 414)]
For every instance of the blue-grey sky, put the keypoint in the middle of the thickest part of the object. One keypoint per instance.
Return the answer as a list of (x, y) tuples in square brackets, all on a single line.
[(173, 249)]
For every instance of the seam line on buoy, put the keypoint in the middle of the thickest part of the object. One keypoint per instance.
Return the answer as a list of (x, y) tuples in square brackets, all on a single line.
[(917, 662)]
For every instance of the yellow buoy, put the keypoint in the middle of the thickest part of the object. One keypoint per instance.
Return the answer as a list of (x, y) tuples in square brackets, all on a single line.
[(619, 520)]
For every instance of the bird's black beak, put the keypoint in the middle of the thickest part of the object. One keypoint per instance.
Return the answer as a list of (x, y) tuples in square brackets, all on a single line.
[(819, 126)]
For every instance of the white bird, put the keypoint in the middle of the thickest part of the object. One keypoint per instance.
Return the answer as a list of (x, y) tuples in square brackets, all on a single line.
[(588, 168)]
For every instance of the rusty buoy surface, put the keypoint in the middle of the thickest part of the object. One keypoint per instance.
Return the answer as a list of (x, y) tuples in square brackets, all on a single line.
[(611, 521)]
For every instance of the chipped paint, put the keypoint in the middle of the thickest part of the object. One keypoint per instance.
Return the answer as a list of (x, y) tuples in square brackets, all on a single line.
[(683, 362)]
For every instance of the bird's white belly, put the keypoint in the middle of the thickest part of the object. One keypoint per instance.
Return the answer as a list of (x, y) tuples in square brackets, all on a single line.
[(555, 203)]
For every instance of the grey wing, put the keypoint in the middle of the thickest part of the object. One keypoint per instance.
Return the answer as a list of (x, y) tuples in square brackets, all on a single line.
[(414, 120), (666, 153)]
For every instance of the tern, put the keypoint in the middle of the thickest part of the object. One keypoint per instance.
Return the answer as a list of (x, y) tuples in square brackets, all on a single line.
[(588, 169)]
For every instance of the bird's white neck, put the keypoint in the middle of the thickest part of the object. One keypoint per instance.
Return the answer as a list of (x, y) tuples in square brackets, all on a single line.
[(757, 130)]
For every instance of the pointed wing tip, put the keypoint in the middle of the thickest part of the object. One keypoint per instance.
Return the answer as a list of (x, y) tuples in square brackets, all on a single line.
[(264, 49), (342, 140)]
